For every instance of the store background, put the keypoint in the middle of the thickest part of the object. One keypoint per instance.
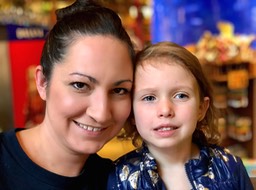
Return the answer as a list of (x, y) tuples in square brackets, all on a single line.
[(24, 23), (184, 21)]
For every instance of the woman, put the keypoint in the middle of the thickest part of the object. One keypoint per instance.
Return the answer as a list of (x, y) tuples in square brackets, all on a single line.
[(85, 78)]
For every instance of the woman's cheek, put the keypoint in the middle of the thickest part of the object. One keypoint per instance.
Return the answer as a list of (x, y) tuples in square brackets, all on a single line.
[(122, 110), (69, 105)]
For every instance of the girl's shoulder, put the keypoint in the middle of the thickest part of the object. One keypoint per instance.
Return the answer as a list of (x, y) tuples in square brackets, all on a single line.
[(134, 170), (133, 157), (136, 158), (219, 154)]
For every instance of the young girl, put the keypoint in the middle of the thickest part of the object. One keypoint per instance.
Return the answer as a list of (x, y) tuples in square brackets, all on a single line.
[(176, 120)]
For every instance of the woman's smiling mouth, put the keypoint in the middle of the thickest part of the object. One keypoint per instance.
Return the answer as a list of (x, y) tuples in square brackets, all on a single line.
[(88, 128)]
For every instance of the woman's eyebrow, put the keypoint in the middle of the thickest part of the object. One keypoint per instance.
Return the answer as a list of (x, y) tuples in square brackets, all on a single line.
[(122, 81), (93, 80)]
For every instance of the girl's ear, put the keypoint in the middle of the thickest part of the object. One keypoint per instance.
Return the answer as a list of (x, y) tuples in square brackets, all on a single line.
[(41, 82), (204, 105)]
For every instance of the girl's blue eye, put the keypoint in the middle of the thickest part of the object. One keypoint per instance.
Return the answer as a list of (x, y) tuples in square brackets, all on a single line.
[(149, 98), (181, 96)]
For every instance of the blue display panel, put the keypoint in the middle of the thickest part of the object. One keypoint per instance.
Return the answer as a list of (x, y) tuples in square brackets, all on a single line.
[(184, 21)]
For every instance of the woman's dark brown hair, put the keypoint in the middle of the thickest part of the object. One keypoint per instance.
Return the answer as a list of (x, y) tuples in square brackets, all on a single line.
[(82, 18)]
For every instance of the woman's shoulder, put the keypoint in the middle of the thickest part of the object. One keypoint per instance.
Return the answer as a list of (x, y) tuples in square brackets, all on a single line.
[(9, 136), (96, 162)]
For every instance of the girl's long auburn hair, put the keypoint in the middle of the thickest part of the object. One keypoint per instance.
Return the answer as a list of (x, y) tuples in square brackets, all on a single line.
[(206, 132)]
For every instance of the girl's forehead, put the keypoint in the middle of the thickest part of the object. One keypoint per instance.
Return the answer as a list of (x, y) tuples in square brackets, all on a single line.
[(160, 62), (163, 66)]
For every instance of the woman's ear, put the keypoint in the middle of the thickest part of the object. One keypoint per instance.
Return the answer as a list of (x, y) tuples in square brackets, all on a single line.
[(41, 82), (204, 105)]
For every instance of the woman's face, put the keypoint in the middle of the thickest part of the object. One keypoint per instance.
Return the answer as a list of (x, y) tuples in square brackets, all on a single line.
[(88, 98)]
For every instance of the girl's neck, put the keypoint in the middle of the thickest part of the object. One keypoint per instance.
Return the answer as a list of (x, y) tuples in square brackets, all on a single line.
[(171, 164), (174, 155)]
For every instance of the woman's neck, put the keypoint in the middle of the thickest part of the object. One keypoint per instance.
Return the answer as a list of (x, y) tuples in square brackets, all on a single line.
[(48, 155)]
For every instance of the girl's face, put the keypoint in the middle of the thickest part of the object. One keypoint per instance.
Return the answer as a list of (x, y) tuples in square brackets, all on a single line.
[(88, 97), (166, 105)]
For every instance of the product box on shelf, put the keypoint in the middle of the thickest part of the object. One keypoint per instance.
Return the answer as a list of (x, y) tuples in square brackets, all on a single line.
[(250, 165)]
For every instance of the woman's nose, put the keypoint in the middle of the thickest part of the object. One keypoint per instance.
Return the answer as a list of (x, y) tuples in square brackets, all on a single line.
[(100, 110), (165, 108)]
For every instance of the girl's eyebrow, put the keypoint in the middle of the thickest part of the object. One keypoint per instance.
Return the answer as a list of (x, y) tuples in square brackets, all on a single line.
[(95, 81)]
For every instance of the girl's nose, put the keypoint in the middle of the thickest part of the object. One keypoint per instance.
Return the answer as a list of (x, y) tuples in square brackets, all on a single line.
[(165, 108)]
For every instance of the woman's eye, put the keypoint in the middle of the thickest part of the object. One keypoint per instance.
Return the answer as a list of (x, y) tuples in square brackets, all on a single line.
[(79, 85), (149, 98), (120, 91)]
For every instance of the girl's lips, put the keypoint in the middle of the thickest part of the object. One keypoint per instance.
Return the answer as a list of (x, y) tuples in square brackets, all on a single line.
[(88, 128), (166, 128)]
